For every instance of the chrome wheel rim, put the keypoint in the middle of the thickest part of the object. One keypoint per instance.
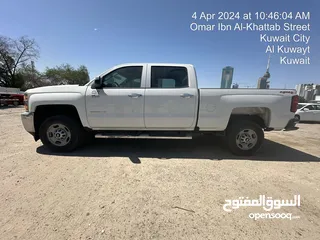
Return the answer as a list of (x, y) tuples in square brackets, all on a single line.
[(58, 134), (246, 139)]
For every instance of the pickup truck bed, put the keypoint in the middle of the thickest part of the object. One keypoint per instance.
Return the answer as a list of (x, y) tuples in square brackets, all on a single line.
[(217, 105)]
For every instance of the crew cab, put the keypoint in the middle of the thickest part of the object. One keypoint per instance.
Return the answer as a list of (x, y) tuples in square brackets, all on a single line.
[(154, 100)]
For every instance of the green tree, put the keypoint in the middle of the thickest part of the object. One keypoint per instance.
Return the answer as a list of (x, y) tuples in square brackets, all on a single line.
[(13, 54), (32, 78), (66, 74), (302, 100)]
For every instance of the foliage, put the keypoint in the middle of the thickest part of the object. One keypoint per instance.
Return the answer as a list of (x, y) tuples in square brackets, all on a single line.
[(17, 69), (32, 78), (13, 54), (66, 74), (302, 100)]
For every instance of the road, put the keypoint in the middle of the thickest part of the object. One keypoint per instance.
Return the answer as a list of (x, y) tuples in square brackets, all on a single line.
[(155, 189)]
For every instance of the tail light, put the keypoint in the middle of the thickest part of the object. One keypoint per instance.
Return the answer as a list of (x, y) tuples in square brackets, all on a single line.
[(25, 102), (294, 103)]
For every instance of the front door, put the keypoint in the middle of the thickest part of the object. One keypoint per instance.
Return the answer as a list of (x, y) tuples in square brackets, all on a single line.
[(119, 104)]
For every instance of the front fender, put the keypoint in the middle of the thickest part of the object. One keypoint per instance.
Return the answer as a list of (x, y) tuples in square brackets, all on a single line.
[(75, 99)]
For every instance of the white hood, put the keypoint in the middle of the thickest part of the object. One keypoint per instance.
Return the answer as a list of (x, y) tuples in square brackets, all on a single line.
[(57, 89)]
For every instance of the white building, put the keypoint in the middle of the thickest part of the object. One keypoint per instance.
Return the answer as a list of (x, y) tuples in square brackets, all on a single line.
[(308, 91), (300, 89)]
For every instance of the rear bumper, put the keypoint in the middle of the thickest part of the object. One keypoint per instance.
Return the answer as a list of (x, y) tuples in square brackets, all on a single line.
[(27, 121)]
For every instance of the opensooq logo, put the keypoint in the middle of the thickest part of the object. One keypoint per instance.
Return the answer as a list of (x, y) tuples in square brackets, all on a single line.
[(267, 203)]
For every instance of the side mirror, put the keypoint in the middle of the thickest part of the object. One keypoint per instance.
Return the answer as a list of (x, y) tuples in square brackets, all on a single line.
[(306, 109), (97, 83)]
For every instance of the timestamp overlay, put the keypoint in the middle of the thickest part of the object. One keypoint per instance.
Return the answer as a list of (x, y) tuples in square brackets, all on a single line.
[(286, 34)]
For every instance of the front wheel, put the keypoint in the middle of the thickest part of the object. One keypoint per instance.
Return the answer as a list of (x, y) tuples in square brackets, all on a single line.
[(244, 138), (61, 134)]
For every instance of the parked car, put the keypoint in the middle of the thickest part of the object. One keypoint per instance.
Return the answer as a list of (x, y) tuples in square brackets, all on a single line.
[(7, 99), (308, 112), (154, 100)]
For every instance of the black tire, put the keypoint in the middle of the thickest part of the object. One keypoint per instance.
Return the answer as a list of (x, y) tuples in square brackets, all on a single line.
[(296, 118), (244, 128), (76, 133)]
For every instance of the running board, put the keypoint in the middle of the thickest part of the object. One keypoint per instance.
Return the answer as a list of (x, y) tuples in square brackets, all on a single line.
[(142, 136)]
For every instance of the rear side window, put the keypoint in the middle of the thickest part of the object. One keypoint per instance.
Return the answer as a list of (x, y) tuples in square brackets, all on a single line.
[(169, 77)]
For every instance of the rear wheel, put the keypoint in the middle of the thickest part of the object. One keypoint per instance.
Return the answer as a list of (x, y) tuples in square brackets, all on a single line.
[(61, 134), (244, 138)]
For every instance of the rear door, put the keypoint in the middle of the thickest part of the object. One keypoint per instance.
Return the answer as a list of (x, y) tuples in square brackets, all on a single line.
[(171, 98)]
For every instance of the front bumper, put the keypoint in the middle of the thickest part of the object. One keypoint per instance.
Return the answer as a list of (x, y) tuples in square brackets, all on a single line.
[(27, 121)]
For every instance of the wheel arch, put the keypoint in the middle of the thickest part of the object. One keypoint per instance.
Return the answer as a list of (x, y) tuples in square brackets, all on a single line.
[(43, 112), (256, 118)]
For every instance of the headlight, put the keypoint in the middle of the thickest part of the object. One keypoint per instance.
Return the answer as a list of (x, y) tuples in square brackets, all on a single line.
[(25, 102)]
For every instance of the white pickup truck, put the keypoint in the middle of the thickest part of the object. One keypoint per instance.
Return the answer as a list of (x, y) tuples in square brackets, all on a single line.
[(154, 100)]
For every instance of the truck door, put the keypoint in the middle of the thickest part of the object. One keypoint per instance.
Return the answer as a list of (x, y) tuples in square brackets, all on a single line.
[(170, 98), (119, 104)]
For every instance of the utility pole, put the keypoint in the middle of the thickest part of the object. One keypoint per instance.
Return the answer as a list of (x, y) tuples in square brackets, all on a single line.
[(32, 72)]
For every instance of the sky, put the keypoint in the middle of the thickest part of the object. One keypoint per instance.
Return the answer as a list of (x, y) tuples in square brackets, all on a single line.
[(101, 34)]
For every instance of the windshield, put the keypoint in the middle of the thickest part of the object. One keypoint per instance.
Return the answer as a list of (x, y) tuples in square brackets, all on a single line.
[(301, 106)]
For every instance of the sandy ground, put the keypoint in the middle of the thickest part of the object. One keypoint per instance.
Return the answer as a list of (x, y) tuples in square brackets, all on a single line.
[(155, 189)]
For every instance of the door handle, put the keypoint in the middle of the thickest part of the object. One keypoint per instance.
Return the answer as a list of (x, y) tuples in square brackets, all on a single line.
[(135, 95), (186, 95)]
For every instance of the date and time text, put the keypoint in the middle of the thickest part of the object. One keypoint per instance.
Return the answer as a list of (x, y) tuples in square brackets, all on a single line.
[(286, 33)]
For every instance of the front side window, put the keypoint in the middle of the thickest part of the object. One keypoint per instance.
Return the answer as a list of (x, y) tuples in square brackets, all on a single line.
[(126, 77), (169, 77)]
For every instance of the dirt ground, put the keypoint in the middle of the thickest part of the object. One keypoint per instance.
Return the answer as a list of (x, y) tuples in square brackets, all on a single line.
[(155, 189)]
